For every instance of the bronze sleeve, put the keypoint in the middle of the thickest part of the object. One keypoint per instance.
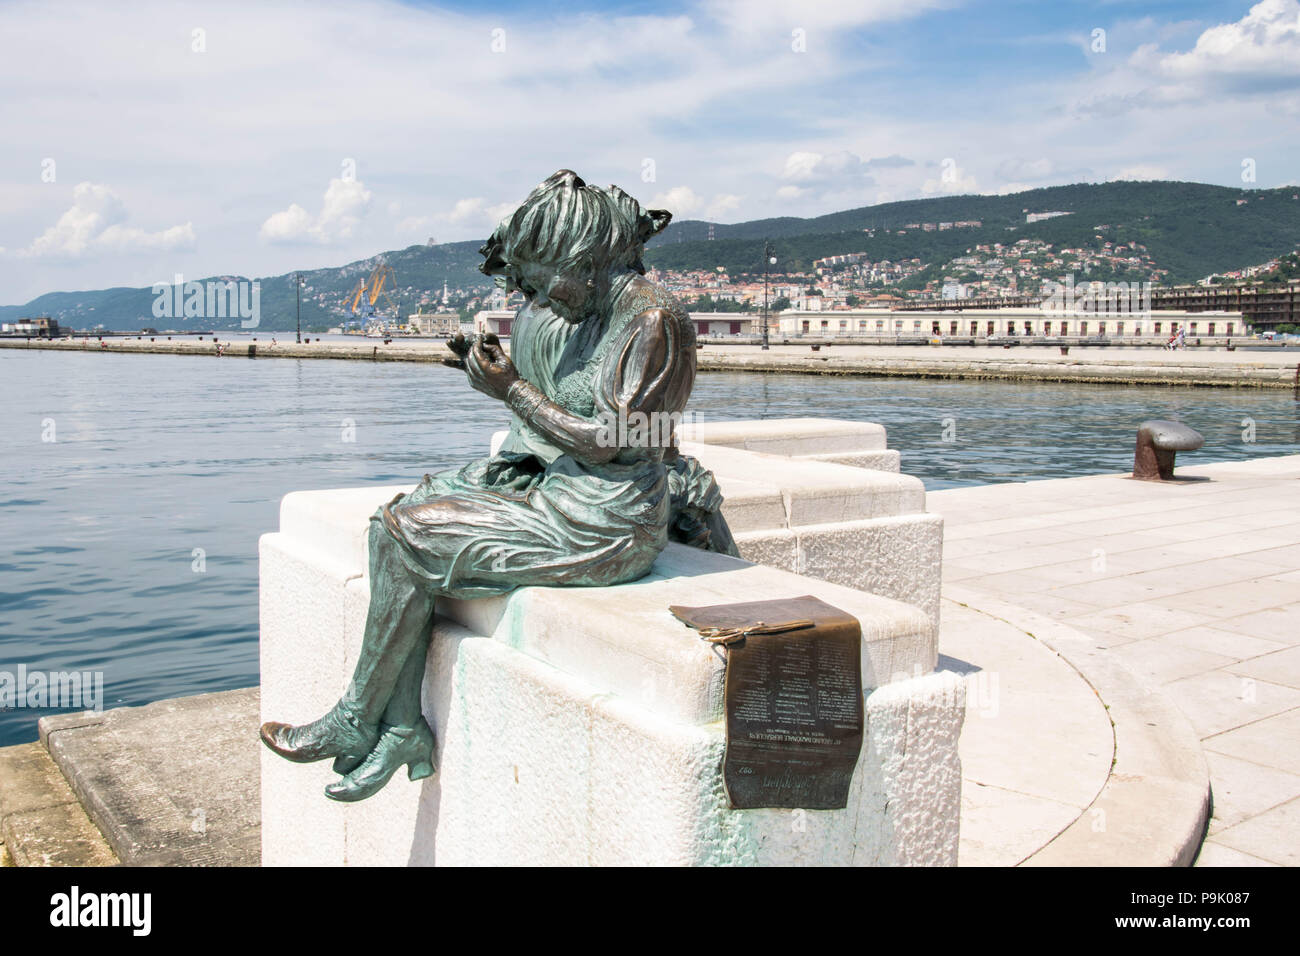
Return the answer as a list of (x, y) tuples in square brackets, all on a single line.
[(585, 440)]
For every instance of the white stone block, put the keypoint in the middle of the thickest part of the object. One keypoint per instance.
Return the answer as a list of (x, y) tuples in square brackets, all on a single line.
[(815, 492), (335, 523), (538, 767), (624, 639), (887, 460), (751, 505), (555, 701), (899, 557), (915, 726), (788, 436), (581, 725), (303, 668)]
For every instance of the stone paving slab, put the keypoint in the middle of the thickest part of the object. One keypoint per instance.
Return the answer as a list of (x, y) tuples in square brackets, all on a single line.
[(1036, 746), (173, 783), (1273, 835), (41, 822), (1189, 588)]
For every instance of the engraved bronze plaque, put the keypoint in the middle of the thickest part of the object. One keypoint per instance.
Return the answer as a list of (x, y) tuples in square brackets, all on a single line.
[(793, 700)]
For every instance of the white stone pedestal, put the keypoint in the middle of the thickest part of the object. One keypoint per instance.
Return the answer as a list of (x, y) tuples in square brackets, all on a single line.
[(583, 725)]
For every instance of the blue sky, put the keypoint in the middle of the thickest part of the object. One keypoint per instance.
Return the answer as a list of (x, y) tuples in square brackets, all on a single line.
[(159, 138)]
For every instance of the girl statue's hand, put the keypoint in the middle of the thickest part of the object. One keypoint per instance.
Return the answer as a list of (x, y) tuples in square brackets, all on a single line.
[(489, 369), (460, 347)]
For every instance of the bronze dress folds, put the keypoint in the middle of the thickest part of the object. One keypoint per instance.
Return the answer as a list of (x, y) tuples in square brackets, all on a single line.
[(533, 514)]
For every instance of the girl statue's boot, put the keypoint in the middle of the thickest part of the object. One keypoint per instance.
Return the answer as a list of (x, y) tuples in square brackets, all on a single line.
[(412, 746), (406, 737), (341, 734), (385, 688)]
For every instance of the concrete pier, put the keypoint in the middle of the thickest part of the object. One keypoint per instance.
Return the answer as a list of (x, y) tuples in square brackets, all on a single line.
[(1272, 368), (1088, 365)]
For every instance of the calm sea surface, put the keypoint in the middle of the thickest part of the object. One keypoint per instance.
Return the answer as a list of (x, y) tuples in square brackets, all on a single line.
[(133, 488)]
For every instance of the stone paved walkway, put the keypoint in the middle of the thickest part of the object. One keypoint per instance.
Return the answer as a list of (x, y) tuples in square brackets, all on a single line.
[(1026, 707), (1193, 586)]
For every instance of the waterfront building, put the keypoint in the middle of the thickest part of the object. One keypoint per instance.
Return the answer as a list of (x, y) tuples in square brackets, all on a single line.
[(433, 323), (41, 325), (1263, 306), (727, 323), (1025, 324), (497, 321)]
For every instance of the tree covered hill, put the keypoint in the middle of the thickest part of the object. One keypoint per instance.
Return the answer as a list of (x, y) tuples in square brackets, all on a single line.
[(419, 269), (1189, 229)]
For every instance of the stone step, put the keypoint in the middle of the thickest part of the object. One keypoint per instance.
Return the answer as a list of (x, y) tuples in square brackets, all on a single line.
[(812, 491), (41, 821), (172, 783), (791, 437)]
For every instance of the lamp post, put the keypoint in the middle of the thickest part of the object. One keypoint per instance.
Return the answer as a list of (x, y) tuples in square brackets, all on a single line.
[(768, 260), (297, 288)]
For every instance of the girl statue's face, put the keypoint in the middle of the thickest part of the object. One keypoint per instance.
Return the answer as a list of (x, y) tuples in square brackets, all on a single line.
[(566, 295)]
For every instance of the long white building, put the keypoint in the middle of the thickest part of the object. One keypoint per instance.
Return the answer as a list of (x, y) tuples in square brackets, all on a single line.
[(1025, 324), (1021, 323)]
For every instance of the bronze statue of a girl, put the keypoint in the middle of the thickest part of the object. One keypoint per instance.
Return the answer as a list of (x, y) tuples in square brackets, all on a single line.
[(568, 500)]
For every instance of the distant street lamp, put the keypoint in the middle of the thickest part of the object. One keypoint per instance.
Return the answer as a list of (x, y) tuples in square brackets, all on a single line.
[(297, 288), (768, 260)]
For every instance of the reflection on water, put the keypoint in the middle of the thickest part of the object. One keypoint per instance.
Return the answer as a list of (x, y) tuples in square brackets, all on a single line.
[(130, 538)]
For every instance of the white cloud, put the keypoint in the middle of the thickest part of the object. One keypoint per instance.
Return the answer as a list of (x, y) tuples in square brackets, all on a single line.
[(802, 166), (465, 210), (498, 212), (1264, 43), (754, 16), (472, 212), (722, 204), (1026, 169), (1256, 57), (830, 172), (344, 205), (681, 201), (833, 178), (1141, 172), (414, 224), (952, 180), (95, 224)]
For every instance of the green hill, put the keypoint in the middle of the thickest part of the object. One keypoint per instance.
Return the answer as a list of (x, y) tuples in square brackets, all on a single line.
[(419, 270), (1190, 229)]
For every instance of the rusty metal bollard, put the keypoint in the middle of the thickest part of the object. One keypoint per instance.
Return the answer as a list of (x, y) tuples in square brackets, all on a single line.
[(1157, 443)]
